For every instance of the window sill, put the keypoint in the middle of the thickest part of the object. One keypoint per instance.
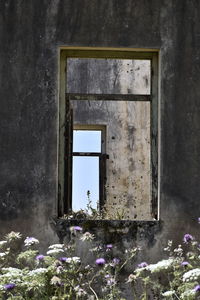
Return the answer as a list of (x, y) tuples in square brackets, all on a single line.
[(108, 230)]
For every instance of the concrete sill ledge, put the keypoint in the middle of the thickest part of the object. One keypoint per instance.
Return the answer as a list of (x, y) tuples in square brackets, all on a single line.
[(108, 230)]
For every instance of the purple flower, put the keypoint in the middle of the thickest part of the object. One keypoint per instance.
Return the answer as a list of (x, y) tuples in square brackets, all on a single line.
[(63, 259), (77, 228), (199, 220), (9, 286), (100, 261), (109, 246), (142, 265), (197, 288), (187, 238), (185, 263), (116, 261), (40, 257)]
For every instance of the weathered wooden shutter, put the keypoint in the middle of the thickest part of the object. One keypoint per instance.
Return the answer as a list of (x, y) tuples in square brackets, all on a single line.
[(68, 157), (102, 179)]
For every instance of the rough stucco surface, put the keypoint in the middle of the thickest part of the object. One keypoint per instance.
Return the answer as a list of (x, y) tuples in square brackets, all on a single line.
[(30, 34), (108, 76), (127, 126)]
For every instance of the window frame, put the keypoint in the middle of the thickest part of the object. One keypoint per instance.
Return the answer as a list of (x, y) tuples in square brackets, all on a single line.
[(112, 53), (102, 160)]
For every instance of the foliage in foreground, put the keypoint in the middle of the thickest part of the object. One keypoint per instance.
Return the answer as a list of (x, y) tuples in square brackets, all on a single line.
[(176, 277), (59, 274)]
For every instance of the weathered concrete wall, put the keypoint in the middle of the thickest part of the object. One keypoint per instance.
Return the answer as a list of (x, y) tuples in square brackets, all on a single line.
[(108, 76), (30, 34), (127, 126)]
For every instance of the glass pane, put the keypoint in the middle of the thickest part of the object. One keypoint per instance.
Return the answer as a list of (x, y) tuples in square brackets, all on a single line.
[(108, 76), (87, 140), (85, 178)]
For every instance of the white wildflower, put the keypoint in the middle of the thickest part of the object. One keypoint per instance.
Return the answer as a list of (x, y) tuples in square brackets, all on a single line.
[(170, 243), (111, 281), (56, 246), (191, 275), (168, 293), (87, 236), (190, 255), (187, 294), (2, 243), (2, 287), (12, 271), (12, 236), (33, 283), (59, 269), (74, 259), (79, 291), (30, 241), (11, 274), (25, 283), (2, 254), (131, 278), (55, 280), (179, 250), (54, 251), (38, 272), (161, 265), (167, 249)]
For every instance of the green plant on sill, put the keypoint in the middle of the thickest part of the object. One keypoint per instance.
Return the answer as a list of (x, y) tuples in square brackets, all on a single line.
[(108, 212)]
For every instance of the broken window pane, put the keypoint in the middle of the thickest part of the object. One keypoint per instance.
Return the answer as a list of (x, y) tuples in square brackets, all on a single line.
[(85, 178), (108, 76)]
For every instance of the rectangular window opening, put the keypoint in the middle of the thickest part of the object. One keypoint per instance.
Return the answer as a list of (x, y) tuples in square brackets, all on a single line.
[(87, 148), (111, 134)]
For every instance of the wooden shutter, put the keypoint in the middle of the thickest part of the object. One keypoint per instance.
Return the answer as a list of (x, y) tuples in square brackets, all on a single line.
[(67, 205), (102, 179)]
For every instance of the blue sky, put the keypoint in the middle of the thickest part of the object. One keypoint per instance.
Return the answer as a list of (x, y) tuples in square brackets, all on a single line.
[(85, 169)]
